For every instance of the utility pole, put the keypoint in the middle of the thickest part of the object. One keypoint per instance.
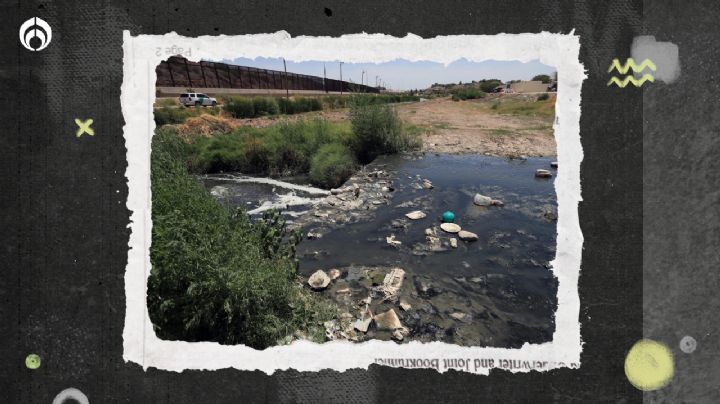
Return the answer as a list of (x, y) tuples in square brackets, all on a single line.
[(287, 91), (376, 81), (324, 79), (341, 82)]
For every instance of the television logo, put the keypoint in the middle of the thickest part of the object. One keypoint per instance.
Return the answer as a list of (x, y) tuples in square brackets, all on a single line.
[(35, 34)]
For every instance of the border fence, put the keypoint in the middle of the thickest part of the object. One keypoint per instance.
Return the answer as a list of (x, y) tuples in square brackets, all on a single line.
[(177, 71)]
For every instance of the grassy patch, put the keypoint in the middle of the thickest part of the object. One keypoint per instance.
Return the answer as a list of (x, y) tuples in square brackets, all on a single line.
[(332, 165), (545, 109), (216, 276)]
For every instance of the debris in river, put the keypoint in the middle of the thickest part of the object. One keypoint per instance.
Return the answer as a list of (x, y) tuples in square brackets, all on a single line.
[(450, 227), (467, 235), (460, 316), (482, 200), (540, 173), (448, 217), (313, 235), (387, 321), (363, 325), (392, 283), (415, 215), (334, 273), (391, 240), (319, 280)]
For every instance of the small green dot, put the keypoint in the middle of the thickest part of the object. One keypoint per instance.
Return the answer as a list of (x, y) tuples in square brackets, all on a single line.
[(32, 361)]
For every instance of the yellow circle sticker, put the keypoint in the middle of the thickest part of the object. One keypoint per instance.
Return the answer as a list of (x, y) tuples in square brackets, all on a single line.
[(649, 365), (32, 361)]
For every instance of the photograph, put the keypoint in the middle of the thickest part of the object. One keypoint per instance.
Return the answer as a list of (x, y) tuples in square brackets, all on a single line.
[(327, 200)]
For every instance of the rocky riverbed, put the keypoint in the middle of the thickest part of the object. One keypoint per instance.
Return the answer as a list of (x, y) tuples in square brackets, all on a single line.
[(376, 247)]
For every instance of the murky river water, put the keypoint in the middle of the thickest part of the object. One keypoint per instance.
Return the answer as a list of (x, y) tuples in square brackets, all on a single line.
[(496, 291)]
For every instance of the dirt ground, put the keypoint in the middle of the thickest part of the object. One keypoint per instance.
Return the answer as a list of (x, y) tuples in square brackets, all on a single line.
[(472, 126), (519, 126)]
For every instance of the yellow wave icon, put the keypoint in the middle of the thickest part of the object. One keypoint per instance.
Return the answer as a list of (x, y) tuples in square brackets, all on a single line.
[(631, 79), (630, 64)]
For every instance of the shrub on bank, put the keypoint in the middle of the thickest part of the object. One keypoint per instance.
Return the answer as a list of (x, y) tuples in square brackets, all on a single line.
[(332, 165), (467, 93), (264, 106), (377, 129), (215, 275), (299, 105), (543, 97), (239, 107)]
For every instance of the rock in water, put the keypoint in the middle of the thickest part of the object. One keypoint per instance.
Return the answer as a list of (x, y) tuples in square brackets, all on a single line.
[(405, 305), (319, 280), (415, 215), (388, 320), (450, 227), (482, 200), (467, 235), (453, 241), (334, 273), (554, 164), (540, 173)]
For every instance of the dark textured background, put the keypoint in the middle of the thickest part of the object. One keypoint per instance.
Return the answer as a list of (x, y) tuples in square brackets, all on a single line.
[(64, 220)]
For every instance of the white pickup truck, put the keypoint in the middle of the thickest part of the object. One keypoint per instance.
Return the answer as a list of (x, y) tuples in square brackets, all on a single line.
[(197, 99)]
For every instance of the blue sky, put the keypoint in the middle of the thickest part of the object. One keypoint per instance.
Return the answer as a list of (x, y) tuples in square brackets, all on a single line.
[(404, 75)]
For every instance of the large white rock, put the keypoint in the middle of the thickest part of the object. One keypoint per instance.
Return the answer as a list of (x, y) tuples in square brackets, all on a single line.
[(319, 280), (482, 200), (415, 215), (450, 227), (467, 235)]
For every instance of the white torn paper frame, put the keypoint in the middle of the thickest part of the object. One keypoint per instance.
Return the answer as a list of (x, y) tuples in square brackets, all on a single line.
[(140, 343)]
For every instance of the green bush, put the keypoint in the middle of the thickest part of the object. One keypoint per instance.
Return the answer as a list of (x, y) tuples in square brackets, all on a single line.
[(265, 106), (543, 97), (489, 86), (299, 105), (377, 130), (332, 165), (240, 107), (467, 93), (216, 276)]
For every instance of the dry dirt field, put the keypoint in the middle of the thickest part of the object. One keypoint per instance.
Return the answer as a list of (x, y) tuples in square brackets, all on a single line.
[(473, 126), (508, 125)]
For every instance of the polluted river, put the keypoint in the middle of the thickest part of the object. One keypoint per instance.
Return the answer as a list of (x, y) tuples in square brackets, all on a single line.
[(375, 246)]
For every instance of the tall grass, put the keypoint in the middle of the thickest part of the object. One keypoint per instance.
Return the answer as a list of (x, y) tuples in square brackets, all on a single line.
[(377, 129), (215, 275)]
